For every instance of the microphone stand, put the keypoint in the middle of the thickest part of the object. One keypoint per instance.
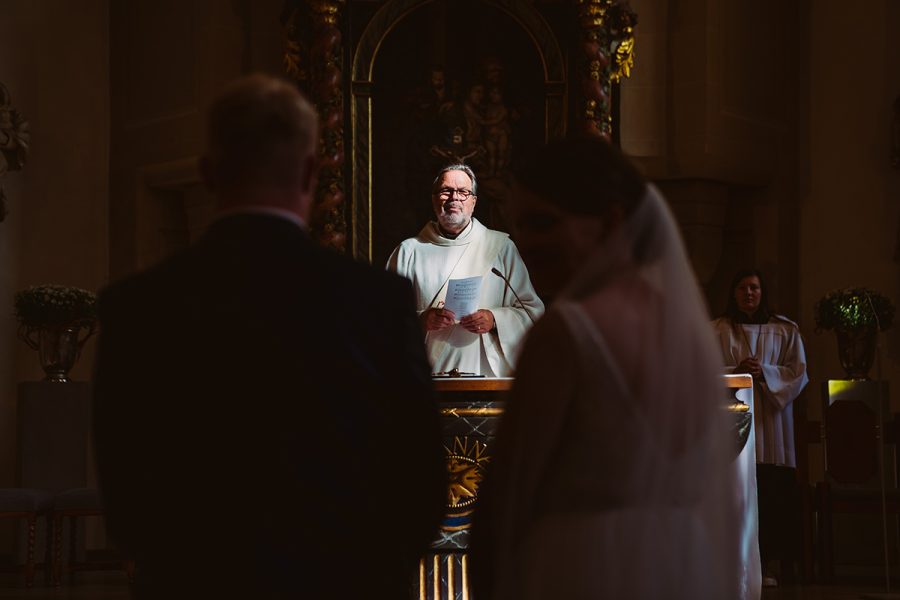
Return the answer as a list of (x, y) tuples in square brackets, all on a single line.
[(513, 290)]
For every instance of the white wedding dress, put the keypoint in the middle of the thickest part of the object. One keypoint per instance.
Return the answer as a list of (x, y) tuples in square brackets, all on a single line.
[(612, 473)]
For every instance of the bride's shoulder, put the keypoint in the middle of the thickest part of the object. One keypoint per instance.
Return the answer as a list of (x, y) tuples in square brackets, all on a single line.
[(626, 300)]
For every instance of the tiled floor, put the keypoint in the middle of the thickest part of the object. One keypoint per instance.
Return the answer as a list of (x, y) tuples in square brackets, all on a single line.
[(87, 586), (817, 592), (113, 586)]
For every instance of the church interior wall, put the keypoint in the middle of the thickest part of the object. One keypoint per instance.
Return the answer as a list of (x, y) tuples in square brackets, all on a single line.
[(766, 124), (848, 228), (54, 61), (711, 116), (169, 58)]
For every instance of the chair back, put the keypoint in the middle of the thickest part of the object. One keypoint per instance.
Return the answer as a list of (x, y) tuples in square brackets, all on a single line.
[(852, 414)]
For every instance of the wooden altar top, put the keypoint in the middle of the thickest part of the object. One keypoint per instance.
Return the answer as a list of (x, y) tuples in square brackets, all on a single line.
[(472, 384), (738, 381), (503, 384)]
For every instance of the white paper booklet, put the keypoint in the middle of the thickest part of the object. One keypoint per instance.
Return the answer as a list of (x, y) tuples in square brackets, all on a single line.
[(462, 296)]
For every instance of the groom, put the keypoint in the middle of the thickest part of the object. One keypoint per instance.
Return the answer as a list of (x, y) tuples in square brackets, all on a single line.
[(260, 432)]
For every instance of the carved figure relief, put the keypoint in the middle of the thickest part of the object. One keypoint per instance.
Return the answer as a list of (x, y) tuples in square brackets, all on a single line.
[(407, 114), (481, 102), (14, 138)]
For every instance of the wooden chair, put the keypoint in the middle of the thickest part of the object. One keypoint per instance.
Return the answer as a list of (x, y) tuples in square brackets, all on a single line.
[(857, 458), (72, 504), (28, 504)]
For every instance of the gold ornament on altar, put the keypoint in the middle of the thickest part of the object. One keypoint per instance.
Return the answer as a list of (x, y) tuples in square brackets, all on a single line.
[(465, 470), (464, 477)]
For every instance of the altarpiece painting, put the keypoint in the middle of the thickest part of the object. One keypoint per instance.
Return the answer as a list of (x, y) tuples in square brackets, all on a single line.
[(407, 86)]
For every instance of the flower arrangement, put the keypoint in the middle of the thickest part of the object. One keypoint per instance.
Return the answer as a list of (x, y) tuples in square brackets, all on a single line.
[(854, 309), (55, 306)]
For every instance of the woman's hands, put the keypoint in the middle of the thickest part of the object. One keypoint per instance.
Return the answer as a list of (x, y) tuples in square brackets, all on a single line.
[(749, 365)]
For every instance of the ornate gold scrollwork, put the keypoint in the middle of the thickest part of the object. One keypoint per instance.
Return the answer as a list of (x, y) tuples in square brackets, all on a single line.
[(592, 13), (313, 57), (624, 57), (327, 11), (293, 59), (607, 30)]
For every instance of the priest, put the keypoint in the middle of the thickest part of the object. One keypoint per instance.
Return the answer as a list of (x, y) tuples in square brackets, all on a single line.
[(457, 249)]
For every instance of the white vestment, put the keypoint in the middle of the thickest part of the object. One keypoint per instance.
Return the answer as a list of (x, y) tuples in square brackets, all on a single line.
[(779, 348), (430, 260)]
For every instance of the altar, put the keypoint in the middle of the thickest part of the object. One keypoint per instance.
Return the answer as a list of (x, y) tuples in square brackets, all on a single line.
[(471, 408)]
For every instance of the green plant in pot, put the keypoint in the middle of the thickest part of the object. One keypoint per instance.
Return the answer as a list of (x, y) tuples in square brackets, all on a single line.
[(856, 315), (56, 321)]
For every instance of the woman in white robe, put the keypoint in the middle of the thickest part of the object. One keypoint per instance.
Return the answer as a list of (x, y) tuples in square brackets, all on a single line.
[(768, 346), (610, 475)]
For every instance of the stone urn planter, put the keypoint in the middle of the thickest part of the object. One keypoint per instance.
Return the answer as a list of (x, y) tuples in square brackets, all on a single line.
[(56, 321), (856, 351), (58, 347), (856, 315)]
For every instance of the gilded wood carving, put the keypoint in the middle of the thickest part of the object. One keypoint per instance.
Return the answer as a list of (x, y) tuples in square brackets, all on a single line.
[(14, 138), (430, 82), (314, 58)]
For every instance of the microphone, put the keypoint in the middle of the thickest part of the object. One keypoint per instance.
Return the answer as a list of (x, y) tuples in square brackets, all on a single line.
[(513, 290)]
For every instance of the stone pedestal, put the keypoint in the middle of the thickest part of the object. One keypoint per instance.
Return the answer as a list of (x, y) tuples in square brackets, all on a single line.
[(53, 435), (53, 423)]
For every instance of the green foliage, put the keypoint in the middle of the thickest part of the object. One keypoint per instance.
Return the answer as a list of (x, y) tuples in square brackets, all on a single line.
[(55, 305), (853, 309)]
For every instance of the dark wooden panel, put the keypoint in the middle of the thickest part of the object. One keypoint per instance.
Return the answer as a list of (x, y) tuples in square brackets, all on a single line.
[(161, 60)]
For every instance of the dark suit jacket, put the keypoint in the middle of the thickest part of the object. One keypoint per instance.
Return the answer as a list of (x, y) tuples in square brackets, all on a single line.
[(264, 421)]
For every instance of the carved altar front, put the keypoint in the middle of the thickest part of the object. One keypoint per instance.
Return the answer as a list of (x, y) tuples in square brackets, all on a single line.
[(471, 409)]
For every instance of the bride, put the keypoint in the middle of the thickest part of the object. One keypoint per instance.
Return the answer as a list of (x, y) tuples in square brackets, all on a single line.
[(611, 470)]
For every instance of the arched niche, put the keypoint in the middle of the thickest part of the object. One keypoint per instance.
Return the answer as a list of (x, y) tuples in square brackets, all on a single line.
[(402, 132)]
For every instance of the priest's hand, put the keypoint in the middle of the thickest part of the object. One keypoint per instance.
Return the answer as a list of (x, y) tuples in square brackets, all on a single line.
[(435, 319), (480, 321), (749, 365)]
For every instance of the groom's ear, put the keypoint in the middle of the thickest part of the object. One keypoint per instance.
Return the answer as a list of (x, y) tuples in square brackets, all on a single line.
[(612, 219)]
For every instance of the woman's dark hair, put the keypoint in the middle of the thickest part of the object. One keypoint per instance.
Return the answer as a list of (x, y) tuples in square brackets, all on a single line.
[(582, 176), (762, 314)]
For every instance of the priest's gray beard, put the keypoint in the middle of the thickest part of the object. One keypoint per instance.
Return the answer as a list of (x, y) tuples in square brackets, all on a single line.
[(449, 220)]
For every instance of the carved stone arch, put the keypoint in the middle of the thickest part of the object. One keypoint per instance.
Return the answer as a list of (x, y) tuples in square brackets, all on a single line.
[(394, 11), (362, 112)]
